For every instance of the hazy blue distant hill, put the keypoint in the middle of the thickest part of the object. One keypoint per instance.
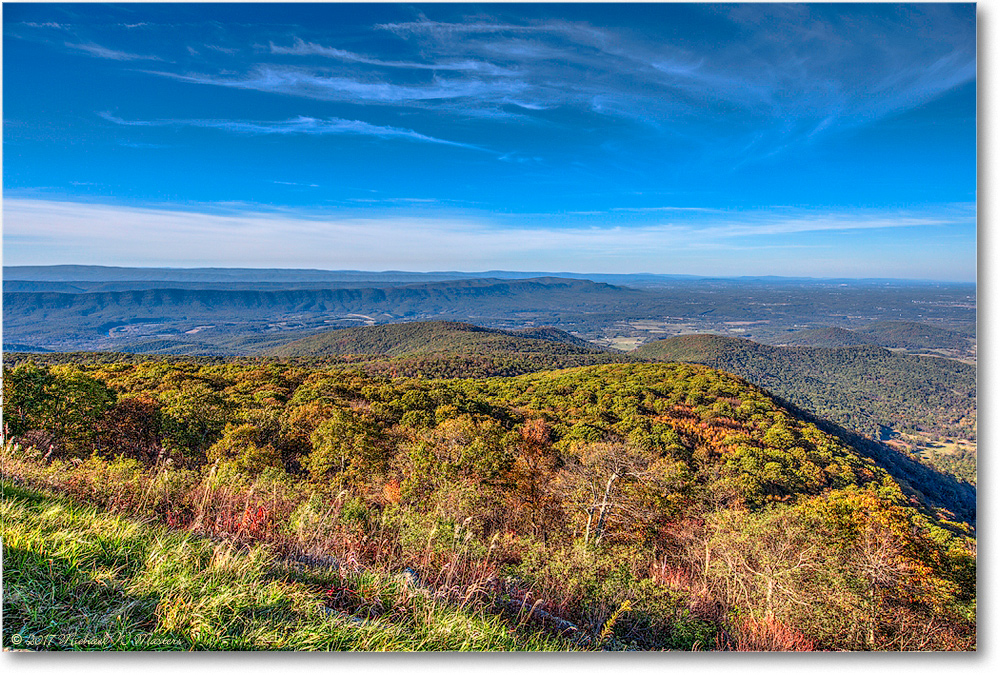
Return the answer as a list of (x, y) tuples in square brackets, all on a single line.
[(14, 347), (828, 336), (28, 286), (439, 296), (238, 311), (913, 335), (53, 319), (909, 335), (97, 274), (159, 276)]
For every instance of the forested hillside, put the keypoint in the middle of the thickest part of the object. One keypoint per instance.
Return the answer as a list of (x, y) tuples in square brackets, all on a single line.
[(433, 336), (871, 390), (863, 387), (914, 335), (909, 335), (447, 349), (828, 336), (621, 505)]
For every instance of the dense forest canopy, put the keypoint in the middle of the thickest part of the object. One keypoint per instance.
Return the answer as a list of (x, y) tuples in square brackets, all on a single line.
[(868, 389), (683, 491), (925, 407)]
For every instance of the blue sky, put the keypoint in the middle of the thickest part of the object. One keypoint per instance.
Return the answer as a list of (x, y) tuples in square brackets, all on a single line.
[(803, 140)]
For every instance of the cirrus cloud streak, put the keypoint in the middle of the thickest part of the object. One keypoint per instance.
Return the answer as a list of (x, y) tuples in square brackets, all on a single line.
[(49, 232), (310, 126)]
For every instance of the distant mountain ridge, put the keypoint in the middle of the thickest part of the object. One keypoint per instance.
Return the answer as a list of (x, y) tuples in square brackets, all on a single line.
[(242, 311), (51, 318), (101, 273), (333, 299)]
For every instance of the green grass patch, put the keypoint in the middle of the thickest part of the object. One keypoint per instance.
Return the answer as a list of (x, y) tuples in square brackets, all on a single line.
[(79, 579)]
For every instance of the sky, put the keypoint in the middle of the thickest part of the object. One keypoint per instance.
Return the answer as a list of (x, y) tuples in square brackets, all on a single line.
[(711, 139)]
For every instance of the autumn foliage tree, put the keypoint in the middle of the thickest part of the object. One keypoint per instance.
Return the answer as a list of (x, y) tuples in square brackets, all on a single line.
[(684, 494), (132, 427), (533, 499)]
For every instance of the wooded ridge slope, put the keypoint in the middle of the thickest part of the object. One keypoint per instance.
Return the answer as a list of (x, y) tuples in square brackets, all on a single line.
[(868, 389), (655, 505), (910, 335), (434, 336)]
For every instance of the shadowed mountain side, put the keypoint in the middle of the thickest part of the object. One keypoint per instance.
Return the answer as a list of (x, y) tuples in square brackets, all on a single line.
[(14, 347), (553, 334), (935, 488)]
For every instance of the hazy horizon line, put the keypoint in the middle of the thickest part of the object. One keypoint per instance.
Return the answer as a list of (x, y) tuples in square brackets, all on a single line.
[(483, 274)]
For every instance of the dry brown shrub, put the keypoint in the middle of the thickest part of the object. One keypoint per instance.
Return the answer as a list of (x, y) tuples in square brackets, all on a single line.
[(767, 635)]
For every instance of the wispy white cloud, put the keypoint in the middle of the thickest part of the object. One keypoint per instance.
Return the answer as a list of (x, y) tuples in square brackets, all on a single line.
[(653, 209), (449, 29), (297, 81), (747, 86), (299, 125), (38, 232), (284, 182), (100, 52), (440, 30), (300, 47), (223, 50), (794, 76), (46, 24)]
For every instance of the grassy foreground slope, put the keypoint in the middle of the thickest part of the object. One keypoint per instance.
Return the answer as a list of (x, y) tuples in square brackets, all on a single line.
[(78, 578)]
